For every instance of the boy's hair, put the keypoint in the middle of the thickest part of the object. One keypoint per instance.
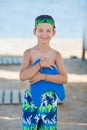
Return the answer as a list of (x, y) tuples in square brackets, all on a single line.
[(45, 19)]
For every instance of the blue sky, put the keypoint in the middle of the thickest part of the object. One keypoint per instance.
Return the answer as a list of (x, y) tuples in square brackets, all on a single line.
[(17, 17)]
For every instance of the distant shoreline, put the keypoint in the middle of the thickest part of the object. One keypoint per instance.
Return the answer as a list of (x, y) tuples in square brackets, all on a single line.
[(16, 46)]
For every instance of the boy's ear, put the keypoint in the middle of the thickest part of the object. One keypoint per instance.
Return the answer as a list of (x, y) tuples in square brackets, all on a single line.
[(34, 31), (54, 32)]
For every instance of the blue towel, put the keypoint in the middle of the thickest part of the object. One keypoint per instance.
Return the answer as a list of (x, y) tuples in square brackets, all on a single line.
[(38, 88)]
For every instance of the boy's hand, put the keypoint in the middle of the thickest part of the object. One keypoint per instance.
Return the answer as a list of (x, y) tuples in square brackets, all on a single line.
[(45, 62), (37, 78), (27, 85)]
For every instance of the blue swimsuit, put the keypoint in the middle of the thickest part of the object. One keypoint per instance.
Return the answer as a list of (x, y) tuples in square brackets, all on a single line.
[(38, 88)]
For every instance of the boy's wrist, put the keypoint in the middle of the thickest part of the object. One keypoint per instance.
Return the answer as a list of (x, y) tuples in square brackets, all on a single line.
[(40, 65), (45, 77)]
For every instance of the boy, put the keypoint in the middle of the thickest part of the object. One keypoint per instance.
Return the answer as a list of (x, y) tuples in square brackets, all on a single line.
[(35, 60)]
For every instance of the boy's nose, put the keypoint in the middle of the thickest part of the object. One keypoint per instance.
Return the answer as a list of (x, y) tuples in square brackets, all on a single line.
[(44, 33)]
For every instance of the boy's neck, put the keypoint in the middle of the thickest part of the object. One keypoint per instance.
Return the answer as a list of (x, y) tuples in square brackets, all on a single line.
[(43, 46)]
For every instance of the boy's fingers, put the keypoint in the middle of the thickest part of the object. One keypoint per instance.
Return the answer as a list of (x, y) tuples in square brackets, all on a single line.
[(51, 67), (31, 81), (27, 86)]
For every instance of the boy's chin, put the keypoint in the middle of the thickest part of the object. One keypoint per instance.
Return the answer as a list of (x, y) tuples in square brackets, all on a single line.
[(44, 41)]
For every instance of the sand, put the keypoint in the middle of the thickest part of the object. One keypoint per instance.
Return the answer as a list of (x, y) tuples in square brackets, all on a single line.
[(16, 47), (72, 114)]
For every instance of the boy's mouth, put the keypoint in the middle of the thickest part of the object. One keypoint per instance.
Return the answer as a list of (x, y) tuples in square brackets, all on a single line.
[(44, 38)]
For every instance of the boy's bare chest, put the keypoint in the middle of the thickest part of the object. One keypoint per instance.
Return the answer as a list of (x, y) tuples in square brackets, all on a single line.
[(48, 55)]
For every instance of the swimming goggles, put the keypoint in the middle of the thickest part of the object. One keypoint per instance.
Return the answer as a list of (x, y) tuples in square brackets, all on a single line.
[(44, 20)]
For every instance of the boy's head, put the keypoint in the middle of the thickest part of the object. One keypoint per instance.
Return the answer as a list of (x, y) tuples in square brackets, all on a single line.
[(45, 19)]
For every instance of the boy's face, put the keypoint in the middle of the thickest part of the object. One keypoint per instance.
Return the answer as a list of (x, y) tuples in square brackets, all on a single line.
[(44, 32)]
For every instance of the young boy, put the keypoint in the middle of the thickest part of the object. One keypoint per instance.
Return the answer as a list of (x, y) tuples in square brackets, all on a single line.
[(35, 60)]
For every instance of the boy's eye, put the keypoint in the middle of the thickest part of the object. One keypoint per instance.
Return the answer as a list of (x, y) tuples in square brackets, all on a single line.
[(40, 30), (48, 31)]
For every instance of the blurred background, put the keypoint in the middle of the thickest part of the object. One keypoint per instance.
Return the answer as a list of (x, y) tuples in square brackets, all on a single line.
[(17, 17), (17, 23), (16, 35)]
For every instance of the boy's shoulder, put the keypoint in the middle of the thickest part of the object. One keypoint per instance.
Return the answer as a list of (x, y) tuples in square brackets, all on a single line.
[(56, 52), (27, 51)]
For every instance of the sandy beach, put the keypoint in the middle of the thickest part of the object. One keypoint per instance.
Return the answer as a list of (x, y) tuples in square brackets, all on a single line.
[(72, 114), (16, 25), (16, 46)]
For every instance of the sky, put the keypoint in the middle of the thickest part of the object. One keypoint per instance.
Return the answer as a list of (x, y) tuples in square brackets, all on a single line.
[(17, 17)]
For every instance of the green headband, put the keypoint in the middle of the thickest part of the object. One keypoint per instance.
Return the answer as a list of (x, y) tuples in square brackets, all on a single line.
[(44, 20)]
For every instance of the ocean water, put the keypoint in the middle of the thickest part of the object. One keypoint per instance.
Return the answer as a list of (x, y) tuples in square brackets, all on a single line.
[(17, 17)]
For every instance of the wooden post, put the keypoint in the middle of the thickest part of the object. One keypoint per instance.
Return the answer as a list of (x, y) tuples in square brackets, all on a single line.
[(85, 37), (83, 54)]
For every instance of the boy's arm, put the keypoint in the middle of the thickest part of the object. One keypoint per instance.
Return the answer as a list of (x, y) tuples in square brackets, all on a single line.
[(58, 78), (62, 76), (26, 70)]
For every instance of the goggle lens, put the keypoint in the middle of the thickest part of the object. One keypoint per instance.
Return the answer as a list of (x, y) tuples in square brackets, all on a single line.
[(44, 20)]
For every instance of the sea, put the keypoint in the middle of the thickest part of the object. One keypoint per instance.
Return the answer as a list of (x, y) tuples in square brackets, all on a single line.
[(17, 17)]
